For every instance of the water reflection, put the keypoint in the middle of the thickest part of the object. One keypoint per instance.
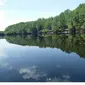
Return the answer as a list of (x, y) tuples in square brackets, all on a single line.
[(71, 43), (54, 58), (63, 78), (32, 73)]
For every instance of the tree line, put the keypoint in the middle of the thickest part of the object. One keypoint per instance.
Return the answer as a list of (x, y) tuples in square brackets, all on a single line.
[(71, 20)]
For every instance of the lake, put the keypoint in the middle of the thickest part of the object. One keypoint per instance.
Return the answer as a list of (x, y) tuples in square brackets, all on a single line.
[(56, 58)]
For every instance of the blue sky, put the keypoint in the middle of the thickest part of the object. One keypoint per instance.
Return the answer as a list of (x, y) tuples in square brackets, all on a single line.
[(14, 11)]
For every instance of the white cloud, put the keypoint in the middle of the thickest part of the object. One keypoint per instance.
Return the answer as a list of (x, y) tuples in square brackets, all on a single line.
[(31, 72), (2, 2), (63, 78), (2, 25)]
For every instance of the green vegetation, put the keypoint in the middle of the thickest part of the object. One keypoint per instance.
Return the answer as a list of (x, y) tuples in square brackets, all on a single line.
[(67, 43), (1, 33), (70, 20)]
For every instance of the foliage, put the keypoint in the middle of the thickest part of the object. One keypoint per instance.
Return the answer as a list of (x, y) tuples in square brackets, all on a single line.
[(71, 43), (66, 20), (2, 33)]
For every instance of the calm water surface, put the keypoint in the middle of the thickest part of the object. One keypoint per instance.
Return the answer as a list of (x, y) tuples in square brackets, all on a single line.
[(56, 58)]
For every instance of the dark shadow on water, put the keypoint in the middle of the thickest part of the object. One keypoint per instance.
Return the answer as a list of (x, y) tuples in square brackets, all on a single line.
[(67, 43)]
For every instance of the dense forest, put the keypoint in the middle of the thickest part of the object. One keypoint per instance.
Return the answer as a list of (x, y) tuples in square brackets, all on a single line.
[(74, 21)]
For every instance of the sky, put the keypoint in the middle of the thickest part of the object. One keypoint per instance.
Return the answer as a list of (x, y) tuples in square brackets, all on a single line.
[(15, 11)]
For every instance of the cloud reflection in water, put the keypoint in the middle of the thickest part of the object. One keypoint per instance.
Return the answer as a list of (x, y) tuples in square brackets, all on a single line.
[(32, 72)]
